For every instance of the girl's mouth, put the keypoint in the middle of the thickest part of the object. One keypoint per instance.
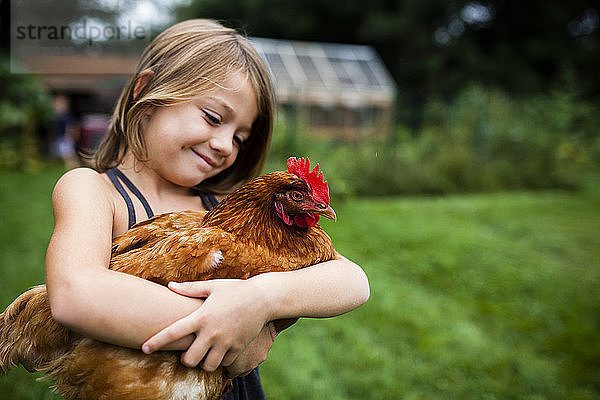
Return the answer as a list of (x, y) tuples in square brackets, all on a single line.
[(205, 158)]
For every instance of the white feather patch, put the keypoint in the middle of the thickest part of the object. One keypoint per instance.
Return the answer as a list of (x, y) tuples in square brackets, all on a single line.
[(216, 260), (189, 389)]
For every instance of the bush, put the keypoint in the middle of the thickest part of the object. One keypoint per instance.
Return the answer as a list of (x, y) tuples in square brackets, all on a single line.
[(24, 108), (483, 140)]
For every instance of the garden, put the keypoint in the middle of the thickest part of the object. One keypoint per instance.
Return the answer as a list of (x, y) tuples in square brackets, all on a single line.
[(479, 235), (476, 215)]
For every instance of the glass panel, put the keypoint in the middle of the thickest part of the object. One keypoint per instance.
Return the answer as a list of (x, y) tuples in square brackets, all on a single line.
[(340, 71), (310, 70), (364, 65), (278, 68)]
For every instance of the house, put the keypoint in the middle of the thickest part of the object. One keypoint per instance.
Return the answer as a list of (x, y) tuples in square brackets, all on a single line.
[(330, 89)]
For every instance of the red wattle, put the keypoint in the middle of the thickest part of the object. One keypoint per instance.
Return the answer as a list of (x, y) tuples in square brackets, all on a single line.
[(306, 220)]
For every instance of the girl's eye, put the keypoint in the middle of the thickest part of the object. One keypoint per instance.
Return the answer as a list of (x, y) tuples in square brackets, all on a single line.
[(238, 141), (213, 119), (296, 196)]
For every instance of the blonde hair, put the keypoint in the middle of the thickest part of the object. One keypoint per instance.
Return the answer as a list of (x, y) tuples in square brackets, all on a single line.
[(189, 59)]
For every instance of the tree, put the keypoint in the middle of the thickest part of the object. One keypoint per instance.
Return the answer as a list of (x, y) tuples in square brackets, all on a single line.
[(438, 46)]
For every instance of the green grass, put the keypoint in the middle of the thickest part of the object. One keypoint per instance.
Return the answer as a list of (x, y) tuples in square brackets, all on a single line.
[(25, 228), (473, 297), (492, 296)]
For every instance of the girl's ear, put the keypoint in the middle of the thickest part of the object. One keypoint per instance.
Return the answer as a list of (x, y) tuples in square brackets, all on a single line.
[(141, 81)]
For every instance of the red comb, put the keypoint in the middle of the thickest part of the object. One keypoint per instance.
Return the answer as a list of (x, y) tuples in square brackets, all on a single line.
[(301, 168)]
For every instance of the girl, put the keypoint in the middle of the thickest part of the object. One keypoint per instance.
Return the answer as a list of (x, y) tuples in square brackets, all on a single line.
[(196, 118)]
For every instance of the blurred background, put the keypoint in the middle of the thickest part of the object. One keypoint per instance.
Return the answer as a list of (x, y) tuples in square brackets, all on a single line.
[(461, 141)]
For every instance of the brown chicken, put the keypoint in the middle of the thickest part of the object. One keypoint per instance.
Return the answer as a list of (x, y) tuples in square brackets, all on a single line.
[(268, 224)]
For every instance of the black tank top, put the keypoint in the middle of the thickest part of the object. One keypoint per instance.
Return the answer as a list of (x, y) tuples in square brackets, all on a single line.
[(116, 177), (244, 388)]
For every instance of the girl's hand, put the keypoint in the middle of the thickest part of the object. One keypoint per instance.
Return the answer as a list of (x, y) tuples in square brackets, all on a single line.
[(231, 317), (254, 354)]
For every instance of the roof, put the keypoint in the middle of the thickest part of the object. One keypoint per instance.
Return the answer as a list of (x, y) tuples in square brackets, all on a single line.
[(326, 73), (80, 72)]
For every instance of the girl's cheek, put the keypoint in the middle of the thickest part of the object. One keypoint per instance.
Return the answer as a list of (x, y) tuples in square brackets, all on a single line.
[(234, 156)]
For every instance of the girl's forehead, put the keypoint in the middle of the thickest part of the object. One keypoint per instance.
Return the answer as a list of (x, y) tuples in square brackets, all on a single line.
[(235, 86), (233, 81), (234, 95)]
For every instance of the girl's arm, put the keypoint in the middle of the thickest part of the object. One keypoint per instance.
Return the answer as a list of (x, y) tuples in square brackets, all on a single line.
[(235, 309), (84, 295), (323, 290), (125, 310)]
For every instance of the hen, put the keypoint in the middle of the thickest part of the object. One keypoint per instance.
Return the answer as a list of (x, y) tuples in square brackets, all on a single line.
[(268, 224)]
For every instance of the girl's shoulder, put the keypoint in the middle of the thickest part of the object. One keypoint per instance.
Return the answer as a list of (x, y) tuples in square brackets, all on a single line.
[(81, 173), (84, 180), (85, 196), (83, 186)]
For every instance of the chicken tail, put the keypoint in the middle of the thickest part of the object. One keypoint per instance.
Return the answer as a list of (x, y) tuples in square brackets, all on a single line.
[(29, 335)]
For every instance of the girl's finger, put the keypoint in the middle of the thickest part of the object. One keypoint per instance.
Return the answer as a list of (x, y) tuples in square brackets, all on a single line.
[(191, 289), (213, 359), (229, 358), (195, 353), (171, 333)]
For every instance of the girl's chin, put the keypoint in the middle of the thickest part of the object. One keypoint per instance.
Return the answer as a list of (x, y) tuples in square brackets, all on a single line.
[(197, 178)]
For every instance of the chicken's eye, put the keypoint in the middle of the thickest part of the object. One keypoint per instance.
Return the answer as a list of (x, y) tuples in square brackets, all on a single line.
[(296, 196)]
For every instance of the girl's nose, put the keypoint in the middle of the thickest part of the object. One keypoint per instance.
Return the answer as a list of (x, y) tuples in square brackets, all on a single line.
[(222, 142)]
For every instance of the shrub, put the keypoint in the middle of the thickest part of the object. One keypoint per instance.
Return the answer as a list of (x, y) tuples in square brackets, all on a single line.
[(24, 108), (483, 140)]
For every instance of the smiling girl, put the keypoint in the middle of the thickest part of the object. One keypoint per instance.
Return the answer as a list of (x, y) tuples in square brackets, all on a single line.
[(194, 122)]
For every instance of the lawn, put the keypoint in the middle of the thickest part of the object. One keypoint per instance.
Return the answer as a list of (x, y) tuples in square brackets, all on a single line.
[(491, 296)]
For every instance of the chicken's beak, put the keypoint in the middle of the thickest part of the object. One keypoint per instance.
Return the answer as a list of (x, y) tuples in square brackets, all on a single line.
[(327, 212)]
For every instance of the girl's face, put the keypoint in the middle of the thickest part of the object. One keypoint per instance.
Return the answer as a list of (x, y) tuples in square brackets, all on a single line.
[(190, 142)]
